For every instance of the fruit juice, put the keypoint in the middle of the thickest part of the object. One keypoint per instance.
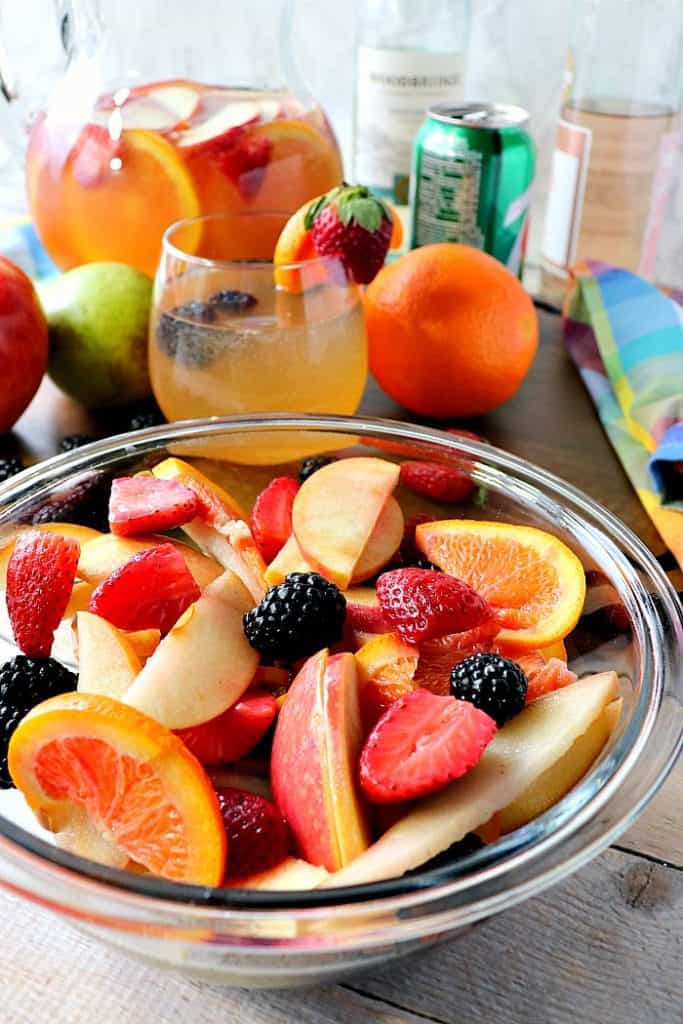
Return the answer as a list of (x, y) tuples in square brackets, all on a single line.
[(278, 351), (104, 185)]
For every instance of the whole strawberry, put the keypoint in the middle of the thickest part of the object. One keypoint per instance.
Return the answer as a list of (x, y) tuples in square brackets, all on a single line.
[(354, 226), (420, 604)]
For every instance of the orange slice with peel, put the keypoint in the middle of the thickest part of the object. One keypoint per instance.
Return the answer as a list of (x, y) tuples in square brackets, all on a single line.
[(137, 782), (123, 216), (535, 583), (386, 666)]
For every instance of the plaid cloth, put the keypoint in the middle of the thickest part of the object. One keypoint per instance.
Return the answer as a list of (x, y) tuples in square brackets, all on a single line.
[(626, 338)]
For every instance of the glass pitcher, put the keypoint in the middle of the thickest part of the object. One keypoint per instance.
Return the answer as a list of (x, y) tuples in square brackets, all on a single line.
[(155, 113)]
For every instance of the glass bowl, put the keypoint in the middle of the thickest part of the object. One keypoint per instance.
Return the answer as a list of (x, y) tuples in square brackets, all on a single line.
[(632, 622)]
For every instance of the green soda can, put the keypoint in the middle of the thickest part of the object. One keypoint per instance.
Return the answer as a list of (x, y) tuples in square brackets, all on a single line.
[(473, 168)]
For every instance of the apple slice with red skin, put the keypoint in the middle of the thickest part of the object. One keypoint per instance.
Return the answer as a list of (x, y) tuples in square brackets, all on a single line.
[(383, 544), (318, 738), (204, 665), (222, 128)]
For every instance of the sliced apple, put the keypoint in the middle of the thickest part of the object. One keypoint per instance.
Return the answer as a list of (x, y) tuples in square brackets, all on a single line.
[(99, 557), (383, 544), (314, 761), (518, 754), (221, 127), (204, 664), (233, 547), (556, 782), (83, 534), (107, 663), (181, 98), (335, 512), (289, 874)]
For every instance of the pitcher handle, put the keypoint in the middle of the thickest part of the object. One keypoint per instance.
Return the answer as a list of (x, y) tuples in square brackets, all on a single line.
[(11, 92)]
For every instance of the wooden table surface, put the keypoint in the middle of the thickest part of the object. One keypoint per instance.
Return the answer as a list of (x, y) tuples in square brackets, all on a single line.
[(603, 947)]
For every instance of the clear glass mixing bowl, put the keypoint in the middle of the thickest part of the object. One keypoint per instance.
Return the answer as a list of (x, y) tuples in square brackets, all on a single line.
[(632, 622)]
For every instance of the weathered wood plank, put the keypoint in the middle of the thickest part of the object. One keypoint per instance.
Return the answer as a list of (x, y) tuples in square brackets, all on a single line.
[(602, 948), (658, 832)]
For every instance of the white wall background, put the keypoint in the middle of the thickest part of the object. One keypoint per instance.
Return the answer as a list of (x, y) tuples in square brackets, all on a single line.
[(517, 55)]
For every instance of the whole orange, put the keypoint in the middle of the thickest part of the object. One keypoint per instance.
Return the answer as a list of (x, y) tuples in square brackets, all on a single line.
[(451, 331)]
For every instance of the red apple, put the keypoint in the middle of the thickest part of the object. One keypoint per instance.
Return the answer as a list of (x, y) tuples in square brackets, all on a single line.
[(23, 343)]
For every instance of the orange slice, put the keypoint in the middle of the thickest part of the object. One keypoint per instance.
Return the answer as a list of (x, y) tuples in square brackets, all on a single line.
[(215, 498), (386, 666), (534, 582), (137, 782), (124, 215), (304, 161)]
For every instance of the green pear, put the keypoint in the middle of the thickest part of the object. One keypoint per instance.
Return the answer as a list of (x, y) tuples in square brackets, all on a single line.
[(98, 317)]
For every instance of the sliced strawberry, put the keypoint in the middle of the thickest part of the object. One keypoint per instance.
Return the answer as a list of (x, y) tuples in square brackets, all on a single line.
[(149, 591), (271, 518), (146, 504), (92, 155), (258, 837), (365, 618), (468, 434), (440, 483), (353, 225), (40, 576), (235, 733), (421, 604), (245, 161), (421, 744)]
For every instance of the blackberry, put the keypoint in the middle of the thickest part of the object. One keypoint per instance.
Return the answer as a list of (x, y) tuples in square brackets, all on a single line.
[(183, 335), (466, 846), (72, 441), (312, 465), (25, 682), (297, 617), (85, 502), (145, 418), (492, 683), (9, 468), (232, 301)]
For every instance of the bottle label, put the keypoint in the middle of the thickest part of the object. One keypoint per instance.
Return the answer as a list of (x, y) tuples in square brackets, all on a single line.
[(565, 198), (393, 91), (447, 200)]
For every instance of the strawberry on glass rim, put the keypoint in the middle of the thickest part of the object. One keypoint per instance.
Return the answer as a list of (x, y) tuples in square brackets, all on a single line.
[(348, 223)]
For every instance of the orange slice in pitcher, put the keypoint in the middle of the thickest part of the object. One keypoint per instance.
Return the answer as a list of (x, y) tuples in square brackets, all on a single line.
[(139, 785), (533, 581), (126, 210)]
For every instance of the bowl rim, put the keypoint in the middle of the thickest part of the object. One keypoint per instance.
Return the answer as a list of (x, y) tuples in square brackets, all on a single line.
[(513, 858)]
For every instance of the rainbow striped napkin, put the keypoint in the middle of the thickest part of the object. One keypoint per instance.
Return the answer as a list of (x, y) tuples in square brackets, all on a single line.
[(626, 338)]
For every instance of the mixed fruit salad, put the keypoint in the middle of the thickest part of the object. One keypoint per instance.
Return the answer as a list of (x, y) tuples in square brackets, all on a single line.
[(319, 693)]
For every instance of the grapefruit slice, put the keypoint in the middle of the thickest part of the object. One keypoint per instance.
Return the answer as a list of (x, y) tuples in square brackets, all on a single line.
[(534, 582), (139, 785)]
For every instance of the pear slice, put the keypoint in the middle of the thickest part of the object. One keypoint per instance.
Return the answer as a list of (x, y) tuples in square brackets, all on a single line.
[(518, 754), (204, 665), (107, 662), (562, 776)]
